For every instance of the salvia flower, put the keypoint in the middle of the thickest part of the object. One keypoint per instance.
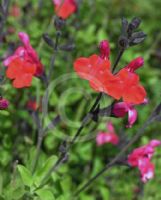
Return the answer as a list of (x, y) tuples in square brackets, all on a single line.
[(107, 137), (120, 109), (23, 64), (4, 103), (32, 105), (65, 8), (124, 84), (141, 158)]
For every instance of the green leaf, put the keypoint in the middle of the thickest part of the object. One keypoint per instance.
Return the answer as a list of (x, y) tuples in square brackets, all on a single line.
[(25, 175), (104, 193), (45, 194), (41, 173), (18, 193)]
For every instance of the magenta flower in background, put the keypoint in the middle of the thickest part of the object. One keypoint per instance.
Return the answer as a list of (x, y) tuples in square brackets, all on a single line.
[(141, 157), (4, 103), (107, 137)]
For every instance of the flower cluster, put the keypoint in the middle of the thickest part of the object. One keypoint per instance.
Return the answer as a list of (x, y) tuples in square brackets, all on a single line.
[(124, 84), (23, 64), (107, 137), (141, 158)]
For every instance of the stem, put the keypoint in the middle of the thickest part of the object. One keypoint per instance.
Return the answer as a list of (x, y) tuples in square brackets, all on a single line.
[(41, 131), (4, 18), (38, 147), (118, 156), (117, 60), (53, 57), (85, 186), (85, 120)]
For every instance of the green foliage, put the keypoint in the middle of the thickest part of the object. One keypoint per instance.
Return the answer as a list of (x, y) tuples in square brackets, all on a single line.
[(72, 97)]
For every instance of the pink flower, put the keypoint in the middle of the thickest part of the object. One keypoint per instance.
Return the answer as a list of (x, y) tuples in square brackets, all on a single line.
[(120, 109), (140, 157), (3, 103), (104, 49), (107, 137), (65, 8), (23, 64), (146, 169)]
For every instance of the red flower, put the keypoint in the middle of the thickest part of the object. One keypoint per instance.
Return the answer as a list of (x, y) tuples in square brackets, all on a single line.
[(130, 89), (15, 11), (65, 8), (107, 137), (124, 84), (141, 158), (32, 105), (23, 64)]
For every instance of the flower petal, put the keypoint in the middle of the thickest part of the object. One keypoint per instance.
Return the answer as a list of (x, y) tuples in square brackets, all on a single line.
[(132, 116), (24, 38), (146, 169), (23, 81)]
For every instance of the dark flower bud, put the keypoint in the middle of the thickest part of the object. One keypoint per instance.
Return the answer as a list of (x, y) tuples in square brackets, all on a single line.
[(124, 26), (137, 38), (67, 47), (123, 42), (59, 23), (48, 40), (134, 24)]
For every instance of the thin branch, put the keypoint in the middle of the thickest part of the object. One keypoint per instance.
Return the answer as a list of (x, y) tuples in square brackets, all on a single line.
[(86, 119), (140, 132)]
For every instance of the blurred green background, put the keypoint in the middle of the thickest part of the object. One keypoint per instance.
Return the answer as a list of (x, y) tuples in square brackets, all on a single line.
[(72, 97)]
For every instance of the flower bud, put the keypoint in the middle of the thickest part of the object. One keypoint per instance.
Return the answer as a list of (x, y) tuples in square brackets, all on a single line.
[(135, 64), (104, 49), (59, 23), (3, 104), (123, 42), (134, 23)]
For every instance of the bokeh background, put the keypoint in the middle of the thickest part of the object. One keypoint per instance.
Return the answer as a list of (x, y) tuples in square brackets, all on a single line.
[(72, 97)]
